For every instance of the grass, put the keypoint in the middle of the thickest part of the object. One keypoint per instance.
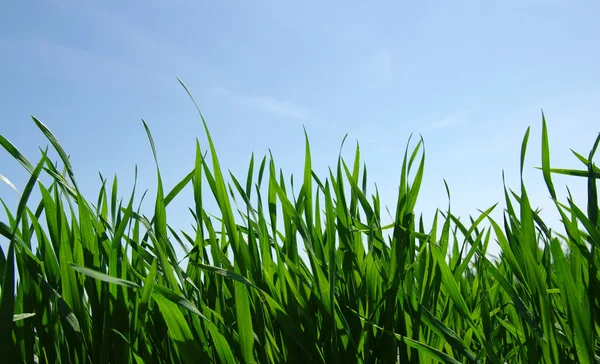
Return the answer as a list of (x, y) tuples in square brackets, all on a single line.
[(100, 282)]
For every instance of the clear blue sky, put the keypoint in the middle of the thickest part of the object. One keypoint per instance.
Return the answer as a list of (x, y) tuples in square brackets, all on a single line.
[(470, 76)]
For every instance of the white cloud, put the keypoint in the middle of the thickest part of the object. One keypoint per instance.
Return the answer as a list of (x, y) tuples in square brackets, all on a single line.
[(270, 104), (46, 58), (451, 120), (142, 43)]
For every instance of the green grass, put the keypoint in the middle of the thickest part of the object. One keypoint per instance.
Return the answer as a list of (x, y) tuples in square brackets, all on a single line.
[(100, 282)]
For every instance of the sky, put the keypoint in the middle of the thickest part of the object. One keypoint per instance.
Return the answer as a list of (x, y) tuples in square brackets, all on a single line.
[(469, 76)]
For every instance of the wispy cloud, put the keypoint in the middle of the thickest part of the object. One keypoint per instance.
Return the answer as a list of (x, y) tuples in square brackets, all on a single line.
[(143, 43), (270, 104), (449, 121), (126, 59), (56, 60)]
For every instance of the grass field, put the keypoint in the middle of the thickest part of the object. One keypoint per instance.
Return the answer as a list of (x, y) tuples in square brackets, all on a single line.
[(97, 281)]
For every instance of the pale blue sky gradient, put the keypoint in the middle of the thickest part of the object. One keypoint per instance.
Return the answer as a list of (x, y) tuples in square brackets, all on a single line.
[(470, 76)]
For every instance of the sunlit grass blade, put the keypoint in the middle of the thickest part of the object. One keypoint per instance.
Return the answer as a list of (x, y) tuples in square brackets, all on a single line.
[(16, 154), (56, 144), (179, 331), (546, 158), (104, 277)]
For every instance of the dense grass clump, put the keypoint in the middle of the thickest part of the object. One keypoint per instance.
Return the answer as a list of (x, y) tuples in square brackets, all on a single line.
[(83, 282)]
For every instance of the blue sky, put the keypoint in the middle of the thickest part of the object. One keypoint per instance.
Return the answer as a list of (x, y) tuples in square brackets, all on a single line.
[(469, 76)]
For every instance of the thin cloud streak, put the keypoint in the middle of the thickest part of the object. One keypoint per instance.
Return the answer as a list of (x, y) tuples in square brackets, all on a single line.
[(449, 121), (74, 64), (142, 43), (283, 108)]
